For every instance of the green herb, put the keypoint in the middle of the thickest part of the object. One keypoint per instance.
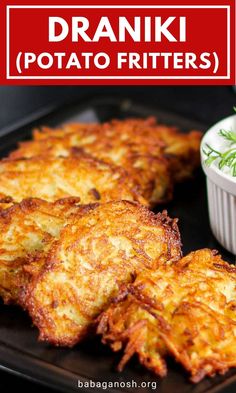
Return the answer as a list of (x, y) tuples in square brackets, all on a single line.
[(226, 158)]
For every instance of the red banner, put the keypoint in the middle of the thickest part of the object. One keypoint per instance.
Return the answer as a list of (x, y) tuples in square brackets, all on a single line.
[(114, 44)]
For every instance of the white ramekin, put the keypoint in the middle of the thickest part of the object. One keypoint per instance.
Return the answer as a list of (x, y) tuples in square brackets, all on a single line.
[(221, 189)]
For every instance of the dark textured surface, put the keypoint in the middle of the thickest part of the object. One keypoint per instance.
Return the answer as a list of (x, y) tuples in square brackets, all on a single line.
[(203, 104)]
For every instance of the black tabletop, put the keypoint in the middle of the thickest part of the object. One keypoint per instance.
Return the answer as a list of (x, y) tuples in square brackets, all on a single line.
[(206, 104)]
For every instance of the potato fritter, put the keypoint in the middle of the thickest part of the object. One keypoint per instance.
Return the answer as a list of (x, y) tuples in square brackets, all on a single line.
[(52, 178), (26, 228), (186, 310), (154, 155), (94, 255)]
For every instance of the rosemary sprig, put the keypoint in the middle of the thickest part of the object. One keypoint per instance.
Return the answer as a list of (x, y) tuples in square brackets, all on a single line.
[(226, 158)]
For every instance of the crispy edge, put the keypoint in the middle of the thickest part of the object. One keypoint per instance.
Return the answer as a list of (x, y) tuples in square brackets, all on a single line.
[(28, 265), (26, 297), (130, 184), (131, 338)]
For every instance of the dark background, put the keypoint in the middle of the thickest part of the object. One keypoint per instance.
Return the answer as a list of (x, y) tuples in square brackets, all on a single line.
[(206, 104)]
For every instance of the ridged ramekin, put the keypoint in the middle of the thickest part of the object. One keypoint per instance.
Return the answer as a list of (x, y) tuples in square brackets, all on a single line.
[(221, 189)]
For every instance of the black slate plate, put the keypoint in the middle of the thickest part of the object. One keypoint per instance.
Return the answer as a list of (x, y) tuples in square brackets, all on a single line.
[(21, 354)]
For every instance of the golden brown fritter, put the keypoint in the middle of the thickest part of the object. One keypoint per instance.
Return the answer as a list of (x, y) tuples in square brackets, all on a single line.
[(154, 155), (52, 178), (182, 151), (25, 228), (94, 255), (186, 310)]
